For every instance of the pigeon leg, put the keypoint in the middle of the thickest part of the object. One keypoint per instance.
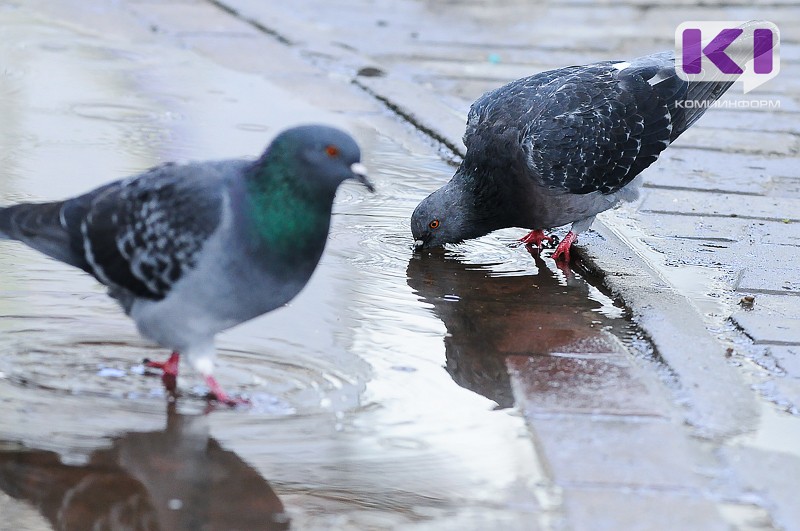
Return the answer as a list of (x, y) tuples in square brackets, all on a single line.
[(218, 394), (562, 251), (536, 237), (170, 367)]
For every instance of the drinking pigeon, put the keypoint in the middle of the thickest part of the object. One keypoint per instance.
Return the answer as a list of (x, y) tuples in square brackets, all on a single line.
[(560, 147), (191, 250)]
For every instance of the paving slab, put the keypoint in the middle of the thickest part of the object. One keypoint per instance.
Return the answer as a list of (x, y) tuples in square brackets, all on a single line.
[(722, 205), (611, 510), (588, 450), (586, 383), (768, 329), (781, 280), (738, 140), (768, 304), (743, 173), (773, 476)]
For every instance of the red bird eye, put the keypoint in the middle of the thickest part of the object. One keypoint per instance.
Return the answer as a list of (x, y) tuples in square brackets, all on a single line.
[(434, 224), (332, 151)]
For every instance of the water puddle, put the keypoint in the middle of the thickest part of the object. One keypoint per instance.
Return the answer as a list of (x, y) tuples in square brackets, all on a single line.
[(515, 307), (778, 431), (381, 396), (706, 284), (178, 477)]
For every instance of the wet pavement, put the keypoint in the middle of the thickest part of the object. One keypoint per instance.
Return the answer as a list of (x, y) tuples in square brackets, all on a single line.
[(477, 387)]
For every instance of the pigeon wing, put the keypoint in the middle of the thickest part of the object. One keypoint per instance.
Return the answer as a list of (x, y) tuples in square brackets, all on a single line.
[(145, 233), (590, 128)]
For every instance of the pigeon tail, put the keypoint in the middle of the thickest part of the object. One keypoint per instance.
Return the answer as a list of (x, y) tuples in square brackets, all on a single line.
[(4, 224), (699, 98), (42, 226), (702, 93), (687, 101)]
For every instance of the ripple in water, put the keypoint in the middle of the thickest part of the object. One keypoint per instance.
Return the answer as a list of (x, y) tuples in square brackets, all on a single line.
[(116, 112)]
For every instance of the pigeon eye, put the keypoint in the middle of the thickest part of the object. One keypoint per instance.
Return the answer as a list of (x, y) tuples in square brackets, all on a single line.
[(434, 224), (332, 151)]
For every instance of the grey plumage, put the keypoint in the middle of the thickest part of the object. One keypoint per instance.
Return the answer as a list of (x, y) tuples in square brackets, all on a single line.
[(190, 250), (560, 147)]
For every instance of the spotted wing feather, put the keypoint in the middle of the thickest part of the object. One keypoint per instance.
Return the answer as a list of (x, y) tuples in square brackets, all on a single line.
[(147, 232), (590, 128)]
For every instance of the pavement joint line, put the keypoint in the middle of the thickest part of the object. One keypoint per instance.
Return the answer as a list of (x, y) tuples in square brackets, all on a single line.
[(769, 291), (550, 413), (635, 488), (715, 215), (252, 22), (410, 118), (656, 186)]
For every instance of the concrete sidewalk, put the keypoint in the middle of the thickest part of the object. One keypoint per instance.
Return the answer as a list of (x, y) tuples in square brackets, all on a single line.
[(717, 222)]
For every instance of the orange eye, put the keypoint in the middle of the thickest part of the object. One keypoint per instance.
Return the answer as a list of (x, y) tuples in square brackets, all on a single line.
[(332, 151), (434, 224)]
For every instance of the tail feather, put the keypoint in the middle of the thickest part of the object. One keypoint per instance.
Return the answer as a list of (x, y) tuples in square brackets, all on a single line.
[(4, 223), (43, 227), (701, 95), (687, 100)]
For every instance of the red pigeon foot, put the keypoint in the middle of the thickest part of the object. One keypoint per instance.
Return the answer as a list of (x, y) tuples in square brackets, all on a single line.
[(170, 367), (536, 237), (218, 394), (562, 251)]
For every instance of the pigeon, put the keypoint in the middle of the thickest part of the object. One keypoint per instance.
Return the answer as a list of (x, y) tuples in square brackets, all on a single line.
[(190, 250), (560, 147)]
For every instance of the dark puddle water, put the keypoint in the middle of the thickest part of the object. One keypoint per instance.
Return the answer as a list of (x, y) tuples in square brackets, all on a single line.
[(490, 315), (381, 397), (175, 478)]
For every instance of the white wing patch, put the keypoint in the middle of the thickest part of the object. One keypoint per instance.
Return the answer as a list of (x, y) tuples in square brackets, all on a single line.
[(659, 77), (89, 255)]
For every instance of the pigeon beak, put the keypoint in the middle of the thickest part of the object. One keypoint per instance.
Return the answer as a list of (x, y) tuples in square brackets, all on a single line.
[(419, 244), (360, 175)]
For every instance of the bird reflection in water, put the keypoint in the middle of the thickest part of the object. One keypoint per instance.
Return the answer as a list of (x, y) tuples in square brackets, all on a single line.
[(176, 479), (490, 316)]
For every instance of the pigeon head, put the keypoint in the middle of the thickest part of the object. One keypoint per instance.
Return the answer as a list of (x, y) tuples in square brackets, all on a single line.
[(290, 189), (443, 217), (322, 157)]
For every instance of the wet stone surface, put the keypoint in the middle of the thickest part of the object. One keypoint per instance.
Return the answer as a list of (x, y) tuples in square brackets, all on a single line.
[(364, 389), (478, 388)]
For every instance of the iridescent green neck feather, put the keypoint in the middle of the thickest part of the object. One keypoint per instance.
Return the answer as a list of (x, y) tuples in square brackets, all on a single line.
[(284, 213)]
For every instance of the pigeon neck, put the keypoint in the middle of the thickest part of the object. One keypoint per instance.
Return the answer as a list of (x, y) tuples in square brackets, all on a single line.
[(482, 195), (283, 214)]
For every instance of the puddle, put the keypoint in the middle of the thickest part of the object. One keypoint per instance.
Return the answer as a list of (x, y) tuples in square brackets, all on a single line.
[(381, 395), (178, 477), (706, 285), (519, 306), (778, 431)]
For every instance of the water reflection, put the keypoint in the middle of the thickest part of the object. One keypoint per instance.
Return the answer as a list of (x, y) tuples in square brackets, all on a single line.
[(491, 313), (177, 478)]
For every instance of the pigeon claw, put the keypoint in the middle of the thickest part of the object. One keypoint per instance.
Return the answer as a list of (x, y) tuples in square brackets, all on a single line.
[(537, 238), (169, 376), (217, 393), (562, 250)]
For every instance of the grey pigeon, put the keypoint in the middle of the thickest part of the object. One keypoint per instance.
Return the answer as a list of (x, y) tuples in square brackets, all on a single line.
[(191, 250), (560, 147)]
